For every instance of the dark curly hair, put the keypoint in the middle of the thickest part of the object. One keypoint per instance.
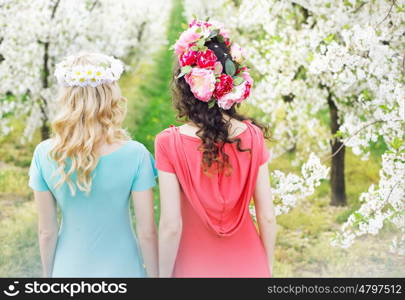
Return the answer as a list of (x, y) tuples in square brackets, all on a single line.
[(213, 127)]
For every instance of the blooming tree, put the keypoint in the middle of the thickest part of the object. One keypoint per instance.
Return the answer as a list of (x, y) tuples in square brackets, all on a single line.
[(37, 34), (345, 58)]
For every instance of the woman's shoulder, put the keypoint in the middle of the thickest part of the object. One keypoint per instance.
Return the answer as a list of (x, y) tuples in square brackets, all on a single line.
[(44, 147), (255, 128), (137, 147), (133, 151), (163, 136), (42, 152)]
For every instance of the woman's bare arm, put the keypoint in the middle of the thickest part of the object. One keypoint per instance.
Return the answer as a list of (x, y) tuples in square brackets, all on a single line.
[(146, 229), (170, 226), (265, 213), (47, 229)]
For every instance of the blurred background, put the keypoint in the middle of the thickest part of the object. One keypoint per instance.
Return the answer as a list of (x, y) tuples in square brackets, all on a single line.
[(329, 81)]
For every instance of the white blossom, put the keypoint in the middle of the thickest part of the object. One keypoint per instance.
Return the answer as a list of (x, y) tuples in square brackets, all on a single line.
[(37, 34)]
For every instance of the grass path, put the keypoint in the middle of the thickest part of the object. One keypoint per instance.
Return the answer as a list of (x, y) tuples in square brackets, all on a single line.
[(148, 91), (149, 105)]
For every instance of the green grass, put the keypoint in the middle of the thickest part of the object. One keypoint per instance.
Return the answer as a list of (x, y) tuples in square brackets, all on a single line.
[(19, 252), (13, 181), (13, 151), (303, 249)]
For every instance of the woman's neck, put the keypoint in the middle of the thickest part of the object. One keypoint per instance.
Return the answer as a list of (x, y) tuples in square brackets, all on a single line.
[(236, 127), (224, 116)]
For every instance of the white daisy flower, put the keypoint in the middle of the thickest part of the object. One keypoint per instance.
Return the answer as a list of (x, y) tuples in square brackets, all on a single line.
[(71, 79), (99, 73), (93, 81), (89, 72), (78, 71)]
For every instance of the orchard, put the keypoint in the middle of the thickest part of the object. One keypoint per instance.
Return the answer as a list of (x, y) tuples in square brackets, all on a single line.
[(329, 80)]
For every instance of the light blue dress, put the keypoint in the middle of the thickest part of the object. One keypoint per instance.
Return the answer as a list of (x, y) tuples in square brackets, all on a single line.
[(96, 238)]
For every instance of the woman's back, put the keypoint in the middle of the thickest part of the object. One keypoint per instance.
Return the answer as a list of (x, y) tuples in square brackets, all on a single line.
[(215, 210), (116, 174), (90, 223)]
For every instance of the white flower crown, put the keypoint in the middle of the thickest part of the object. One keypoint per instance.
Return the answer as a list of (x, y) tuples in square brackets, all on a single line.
[(85, 75)]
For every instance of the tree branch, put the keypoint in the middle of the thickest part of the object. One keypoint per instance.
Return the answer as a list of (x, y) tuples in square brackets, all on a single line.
[(344, 143), (141, 31), (392, 189), (55, 7), (360, 6), (388, 14), (403, 64), (93, 5)]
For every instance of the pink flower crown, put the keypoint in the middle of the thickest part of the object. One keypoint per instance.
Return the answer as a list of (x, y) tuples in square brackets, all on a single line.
[(204, 72)]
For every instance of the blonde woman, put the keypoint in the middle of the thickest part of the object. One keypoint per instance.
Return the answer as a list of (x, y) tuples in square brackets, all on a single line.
[(90, 168)]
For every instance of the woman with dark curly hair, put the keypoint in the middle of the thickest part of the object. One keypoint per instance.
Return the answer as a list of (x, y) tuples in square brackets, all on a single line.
[(211, 167)]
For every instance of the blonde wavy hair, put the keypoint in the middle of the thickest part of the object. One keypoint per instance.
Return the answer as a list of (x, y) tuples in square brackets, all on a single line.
[(88, 117)]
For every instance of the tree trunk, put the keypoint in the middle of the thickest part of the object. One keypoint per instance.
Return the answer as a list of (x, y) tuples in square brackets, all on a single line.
[(337, 179), (44, 131), (45, 84)]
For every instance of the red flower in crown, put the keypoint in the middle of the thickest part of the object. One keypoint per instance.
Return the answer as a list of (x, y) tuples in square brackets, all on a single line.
[(247, 90), (223, 86), (206, 59), (188, 58)]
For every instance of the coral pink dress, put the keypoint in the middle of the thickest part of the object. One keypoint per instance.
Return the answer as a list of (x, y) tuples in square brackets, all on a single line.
[(219, 238)]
